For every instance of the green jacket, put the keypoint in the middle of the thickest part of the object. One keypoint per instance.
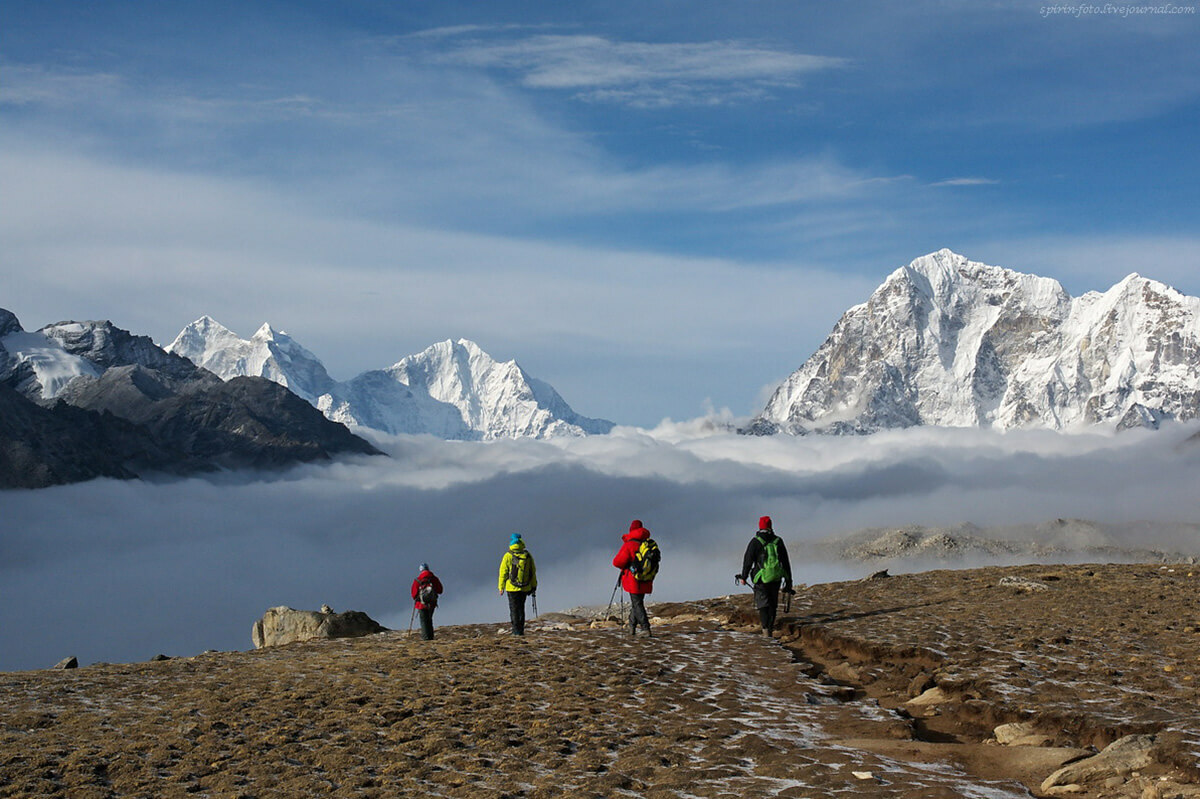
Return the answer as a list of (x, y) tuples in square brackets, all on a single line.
[(505, 563)]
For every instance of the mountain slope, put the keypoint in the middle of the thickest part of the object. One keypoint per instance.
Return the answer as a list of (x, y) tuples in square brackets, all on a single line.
[(452, 390), (88, 399), (948, 341)]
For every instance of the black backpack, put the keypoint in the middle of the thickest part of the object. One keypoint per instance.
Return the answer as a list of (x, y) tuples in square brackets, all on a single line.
[(426, 592)]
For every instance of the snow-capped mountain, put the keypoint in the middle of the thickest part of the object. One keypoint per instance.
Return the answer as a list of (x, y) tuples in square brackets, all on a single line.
[(269, 353), (948, 341), (453, 390), (36, 364), (88, 399)]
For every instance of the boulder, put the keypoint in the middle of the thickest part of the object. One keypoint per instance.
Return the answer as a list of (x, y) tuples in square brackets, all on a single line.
[(284, 625), (1121, 757), (1023, 585), (67, 663), (1022, 733)]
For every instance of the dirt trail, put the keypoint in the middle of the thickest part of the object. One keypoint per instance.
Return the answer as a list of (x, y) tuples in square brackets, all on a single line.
[(694, 711), (705, 708)]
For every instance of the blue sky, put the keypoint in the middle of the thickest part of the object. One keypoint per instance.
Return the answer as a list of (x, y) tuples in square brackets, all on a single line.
[(656, 207)]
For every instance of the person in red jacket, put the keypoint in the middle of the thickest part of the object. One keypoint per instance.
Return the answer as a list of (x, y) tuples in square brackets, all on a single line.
[(626, 561), (425, 592)]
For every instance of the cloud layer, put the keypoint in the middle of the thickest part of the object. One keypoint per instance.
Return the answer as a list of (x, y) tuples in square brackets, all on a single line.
[(122, 571)]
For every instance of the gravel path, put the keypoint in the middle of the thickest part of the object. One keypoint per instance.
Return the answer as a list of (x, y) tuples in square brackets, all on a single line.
[(694, 711), (705, 708)]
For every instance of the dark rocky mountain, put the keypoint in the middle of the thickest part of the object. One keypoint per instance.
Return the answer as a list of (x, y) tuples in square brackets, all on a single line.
[(127, 408), (50, 446)]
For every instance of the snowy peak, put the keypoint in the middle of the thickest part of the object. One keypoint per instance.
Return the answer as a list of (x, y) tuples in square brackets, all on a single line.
[(37, 365), (40, 365), (452, 389), (948, 341), (268, 353)]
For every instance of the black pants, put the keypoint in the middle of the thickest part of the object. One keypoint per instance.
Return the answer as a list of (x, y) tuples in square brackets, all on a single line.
[(426, 615), (766, 599), (516, 611), (637, 616)]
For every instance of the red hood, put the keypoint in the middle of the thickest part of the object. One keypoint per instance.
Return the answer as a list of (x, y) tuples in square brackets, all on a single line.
[(640, 534)]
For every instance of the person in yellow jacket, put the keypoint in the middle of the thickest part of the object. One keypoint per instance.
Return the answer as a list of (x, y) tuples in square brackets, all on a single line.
[(518, 577)]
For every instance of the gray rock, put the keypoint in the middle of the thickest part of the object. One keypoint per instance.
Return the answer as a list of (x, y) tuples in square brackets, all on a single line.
[(284, 625), (67, 663), (1023, 585), (1121, 757)]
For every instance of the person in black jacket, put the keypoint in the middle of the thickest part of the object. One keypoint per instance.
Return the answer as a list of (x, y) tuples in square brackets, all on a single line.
[(766, 564)]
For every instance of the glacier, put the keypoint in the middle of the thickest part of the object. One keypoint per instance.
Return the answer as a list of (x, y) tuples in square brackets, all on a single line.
[(952, 342)]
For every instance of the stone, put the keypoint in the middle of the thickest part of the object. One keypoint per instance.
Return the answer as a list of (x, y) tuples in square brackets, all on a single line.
[(845, 673), (934, 696), (1023, 584), (920, 684), (1123, 756), (67, 663), (1006, 733), (1022, 733), (284, 625)]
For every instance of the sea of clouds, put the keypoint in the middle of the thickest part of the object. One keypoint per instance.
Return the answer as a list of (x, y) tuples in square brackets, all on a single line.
[(120, 571)]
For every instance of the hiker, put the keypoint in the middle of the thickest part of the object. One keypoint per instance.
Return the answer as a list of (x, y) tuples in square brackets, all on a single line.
[(638, 560), (766, 564), (425, 591), (518, 577)]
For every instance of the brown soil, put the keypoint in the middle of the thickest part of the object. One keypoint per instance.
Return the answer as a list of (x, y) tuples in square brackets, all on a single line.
[(704, 708)]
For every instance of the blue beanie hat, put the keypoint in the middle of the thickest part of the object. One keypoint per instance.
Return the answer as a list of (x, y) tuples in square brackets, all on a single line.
[(516, 539), (424, 567)]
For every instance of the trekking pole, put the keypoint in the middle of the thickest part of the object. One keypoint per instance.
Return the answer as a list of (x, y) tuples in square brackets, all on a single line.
[(410, 622), (612, 598), (535, 610)]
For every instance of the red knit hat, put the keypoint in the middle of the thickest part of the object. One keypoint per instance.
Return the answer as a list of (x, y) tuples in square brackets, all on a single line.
[(764, 522), (636, 524)]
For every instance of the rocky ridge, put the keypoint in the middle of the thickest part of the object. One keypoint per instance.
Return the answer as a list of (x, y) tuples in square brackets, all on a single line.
[(1075, 539), (89, 399), (452, 390), (952, 342), (928, 686)]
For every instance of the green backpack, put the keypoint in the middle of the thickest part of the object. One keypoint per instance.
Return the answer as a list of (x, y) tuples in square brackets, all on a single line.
[(772, 568), (520, 572)]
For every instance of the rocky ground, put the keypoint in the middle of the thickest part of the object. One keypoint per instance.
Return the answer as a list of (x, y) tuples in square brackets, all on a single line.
[(891, 687)]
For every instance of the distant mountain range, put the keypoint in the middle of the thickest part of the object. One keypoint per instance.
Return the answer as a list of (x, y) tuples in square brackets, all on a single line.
[(943, 341), (452, 390), (951, 342), (88, 399)]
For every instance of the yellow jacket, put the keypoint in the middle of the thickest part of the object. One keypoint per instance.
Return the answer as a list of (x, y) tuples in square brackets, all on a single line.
[(507, 585)]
